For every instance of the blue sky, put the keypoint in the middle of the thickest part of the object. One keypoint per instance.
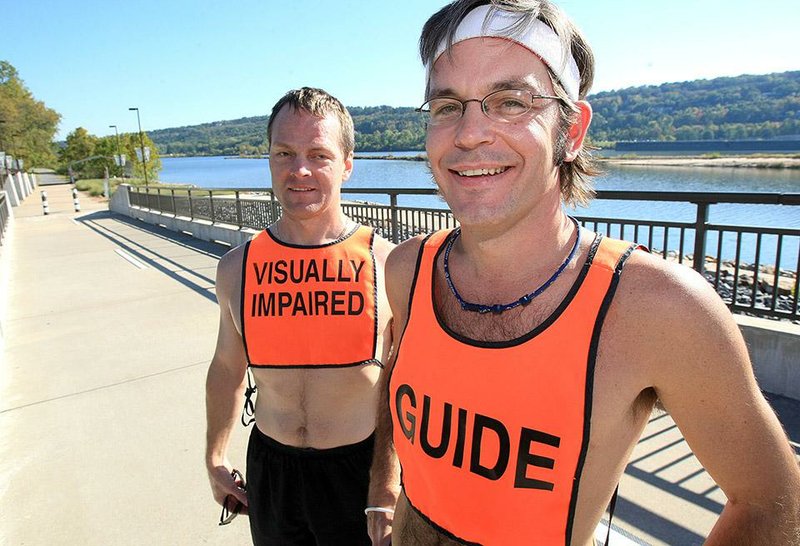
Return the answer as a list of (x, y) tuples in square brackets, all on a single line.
[(185, 62)]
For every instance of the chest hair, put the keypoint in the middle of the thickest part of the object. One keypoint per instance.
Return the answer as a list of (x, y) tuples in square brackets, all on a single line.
[(505, 326)]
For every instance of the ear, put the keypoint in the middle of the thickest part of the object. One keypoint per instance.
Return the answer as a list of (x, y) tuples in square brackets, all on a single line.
[(348, 167), (577, 131)]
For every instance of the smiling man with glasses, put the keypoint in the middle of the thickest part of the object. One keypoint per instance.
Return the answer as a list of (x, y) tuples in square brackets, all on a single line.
[(532, 351)]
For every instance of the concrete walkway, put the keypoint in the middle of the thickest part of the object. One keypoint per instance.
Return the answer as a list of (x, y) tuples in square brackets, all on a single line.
[(108, 326)]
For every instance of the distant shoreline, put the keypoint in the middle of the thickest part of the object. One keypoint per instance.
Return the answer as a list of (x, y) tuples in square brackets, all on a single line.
[(389, 156), (756, 161), (737, 162), (419, 157)]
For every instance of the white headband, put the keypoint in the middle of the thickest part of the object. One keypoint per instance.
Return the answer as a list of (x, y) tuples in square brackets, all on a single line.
[(538, 38)]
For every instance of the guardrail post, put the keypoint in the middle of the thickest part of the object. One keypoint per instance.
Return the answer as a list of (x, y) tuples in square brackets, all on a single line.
[(395, 226), (238, 211), (700, 232), (273, 208), (174, 206), (76, 204), (211, 204), (191, 206)]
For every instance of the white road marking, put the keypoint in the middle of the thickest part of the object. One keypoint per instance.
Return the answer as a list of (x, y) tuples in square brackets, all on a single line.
[(131, 259), (616, 538)]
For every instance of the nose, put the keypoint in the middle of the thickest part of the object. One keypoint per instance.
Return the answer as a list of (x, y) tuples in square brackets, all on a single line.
[(474, 128), (299, 168)]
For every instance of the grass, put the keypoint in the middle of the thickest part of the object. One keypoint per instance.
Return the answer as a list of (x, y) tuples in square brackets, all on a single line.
[(94, 186)]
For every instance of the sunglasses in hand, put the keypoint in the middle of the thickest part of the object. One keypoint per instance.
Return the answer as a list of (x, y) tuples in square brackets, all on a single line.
[(231, 506)]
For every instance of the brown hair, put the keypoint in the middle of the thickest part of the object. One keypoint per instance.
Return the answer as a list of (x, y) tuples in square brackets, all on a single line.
[(318, 103), (574, 176)]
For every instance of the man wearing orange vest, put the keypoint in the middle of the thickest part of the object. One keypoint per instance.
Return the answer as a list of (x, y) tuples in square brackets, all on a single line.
[(302, 305), (531, 351)]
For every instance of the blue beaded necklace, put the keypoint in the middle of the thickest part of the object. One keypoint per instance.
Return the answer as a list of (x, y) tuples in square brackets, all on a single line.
[(524, 300)]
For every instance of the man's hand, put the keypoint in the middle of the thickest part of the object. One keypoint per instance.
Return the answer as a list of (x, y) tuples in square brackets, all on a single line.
[(379, 526), (223, 484)]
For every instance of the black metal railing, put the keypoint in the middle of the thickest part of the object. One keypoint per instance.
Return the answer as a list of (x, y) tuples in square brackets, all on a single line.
[(4, 216), (767, 285)]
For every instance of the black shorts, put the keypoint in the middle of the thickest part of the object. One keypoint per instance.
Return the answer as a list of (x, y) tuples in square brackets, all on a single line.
[(307, 497)]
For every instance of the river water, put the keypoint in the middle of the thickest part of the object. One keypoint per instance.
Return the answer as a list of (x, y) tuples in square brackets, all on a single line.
[(221, 172)]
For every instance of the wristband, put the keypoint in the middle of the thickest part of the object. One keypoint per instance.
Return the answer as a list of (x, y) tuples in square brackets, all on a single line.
[(369, 509)]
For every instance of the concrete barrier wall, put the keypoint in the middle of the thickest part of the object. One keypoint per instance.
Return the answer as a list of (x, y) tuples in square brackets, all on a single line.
[(22, 190), (10, 187), (201, 229), (774, 346), (7, 205), (120, 201)]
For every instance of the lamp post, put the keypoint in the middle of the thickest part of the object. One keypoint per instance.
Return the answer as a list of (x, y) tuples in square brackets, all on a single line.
[(118, 159), (4, 165), (117, 132), (141, 142)]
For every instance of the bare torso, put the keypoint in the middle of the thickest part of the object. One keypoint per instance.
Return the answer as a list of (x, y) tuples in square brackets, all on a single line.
[(321, 408), (317, 408)]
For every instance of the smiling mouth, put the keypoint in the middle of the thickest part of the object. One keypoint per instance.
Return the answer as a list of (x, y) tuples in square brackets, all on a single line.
[(301, 189), (483, 172)]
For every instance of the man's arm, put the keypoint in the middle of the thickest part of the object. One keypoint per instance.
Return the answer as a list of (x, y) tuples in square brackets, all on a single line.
[(384, 482), (225, 383), (384, 485), (699, 366)]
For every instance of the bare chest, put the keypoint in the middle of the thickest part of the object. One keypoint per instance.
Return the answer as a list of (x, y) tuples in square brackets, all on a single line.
[(495, 327), (317, 408)]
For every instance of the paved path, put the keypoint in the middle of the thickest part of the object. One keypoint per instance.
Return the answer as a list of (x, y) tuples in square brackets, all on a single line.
[(108, 326), (108, 329)]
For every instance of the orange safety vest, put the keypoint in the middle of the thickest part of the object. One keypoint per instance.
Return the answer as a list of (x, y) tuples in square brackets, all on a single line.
[(492, 436), (310, 306)]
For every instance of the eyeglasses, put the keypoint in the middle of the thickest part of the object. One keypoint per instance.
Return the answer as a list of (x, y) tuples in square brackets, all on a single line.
[(505, 105), (228, 514)]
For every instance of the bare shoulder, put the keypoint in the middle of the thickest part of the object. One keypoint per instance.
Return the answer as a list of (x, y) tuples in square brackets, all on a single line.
[(382, 247), (400, 267), (667, 293), (229, 271), (674, 321)]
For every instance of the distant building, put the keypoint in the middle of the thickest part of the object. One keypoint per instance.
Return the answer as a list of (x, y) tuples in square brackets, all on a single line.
[(783, 145)]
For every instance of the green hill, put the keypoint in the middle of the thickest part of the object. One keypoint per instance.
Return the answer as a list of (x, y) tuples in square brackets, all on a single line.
[(742, 107), (378, 128)]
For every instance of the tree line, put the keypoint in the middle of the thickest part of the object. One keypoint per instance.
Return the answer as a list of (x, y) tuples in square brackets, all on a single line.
[(743, 107), (378, 128), (80, 145), (27, 126)]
